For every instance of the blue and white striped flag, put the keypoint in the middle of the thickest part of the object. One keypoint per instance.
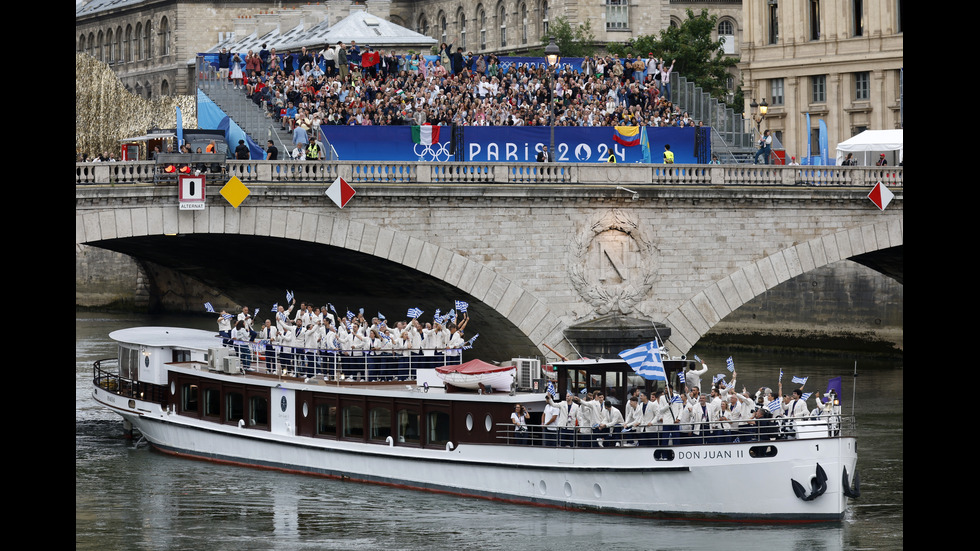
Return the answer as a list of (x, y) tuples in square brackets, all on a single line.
[(680, 377), (550, 390), (676, 399), (275, 307), (774, 405), (289, 296), (226, 316), (646, 361), (332, 309), (697, 359), (414, 313), (462, 306), (718, 377), (209, 308), (800, 380), (451, 315), (730, 364), (806, 396), (438, 319), (350, 316), (473, 339), (780, 375), (381, 316)]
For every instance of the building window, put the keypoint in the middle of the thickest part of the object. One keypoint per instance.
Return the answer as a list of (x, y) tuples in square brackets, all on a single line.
[(482, 16), (423, 26), (165, 35), (857, 13), (444, 27), (773, 21), (776, 91), (726, 32), (502, 19), (617, 15), (523, 23), (862, 86), (814, 19), (898, 16), (139, 41), (544, 19), (818, 89), (128, 47), (81, 44), (461, 25), (117, 45), (146, 40)]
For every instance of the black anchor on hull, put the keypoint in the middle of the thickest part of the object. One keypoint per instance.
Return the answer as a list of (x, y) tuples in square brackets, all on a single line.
[(818, 485), (848, 491)]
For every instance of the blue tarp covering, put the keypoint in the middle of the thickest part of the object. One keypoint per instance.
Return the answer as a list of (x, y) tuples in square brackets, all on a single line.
[(211, 117)]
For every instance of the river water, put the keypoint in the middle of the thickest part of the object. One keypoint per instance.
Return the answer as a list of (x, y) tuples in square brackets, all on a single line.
[(129, 497)]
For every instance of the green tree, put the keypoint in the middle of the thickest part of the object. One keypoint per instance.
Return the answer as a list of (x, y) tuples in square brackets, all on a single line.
[(698, 58), (576, 41)]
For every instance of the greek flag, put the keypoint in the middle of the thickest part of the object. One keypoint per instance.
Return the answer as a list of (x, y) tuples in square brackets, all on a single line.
[(332, 309), (289, 296), (774, 405), (730, 364), (780, 375), (806, 396), (255, 314), (226, 316), (350, 316), (209, 308), (473, 339), (676, 399), (438, 319), (718, 377), (800, 380), (697, 359), (646, 361), (550, 390), (275, 307), (451, 315), (414, 313), (381, 316), (680, 377), (462, 306)]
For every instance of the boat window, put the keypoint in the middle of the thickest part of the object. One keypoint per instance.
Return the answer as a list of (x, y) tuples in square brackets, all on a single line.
[(612, 383), (353, 421), (128, 363), (326, 420), (408, 426), (438, 425), (762, 451), (380, 423), (258, 410), (235, 406), (188, 398), (181, 356), (212, 402), (663, 455)]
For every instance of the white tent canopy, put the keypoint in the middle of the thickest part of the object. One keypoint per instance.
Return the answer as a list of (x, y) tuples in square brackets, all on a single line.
[(870, 144)]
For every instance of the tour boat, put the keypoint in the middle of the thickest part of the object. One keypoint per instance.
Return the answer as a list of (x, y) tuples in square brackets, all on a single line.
[(187, 395)]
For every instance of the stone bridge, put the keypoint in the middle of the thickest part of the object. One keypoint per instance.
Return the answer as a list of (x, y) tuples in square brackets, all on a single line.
[(533, 249)]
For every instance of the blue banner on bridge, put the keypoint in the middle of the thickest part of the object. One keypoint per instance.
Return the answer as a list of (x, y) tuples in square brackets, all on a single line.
[(515, 144)]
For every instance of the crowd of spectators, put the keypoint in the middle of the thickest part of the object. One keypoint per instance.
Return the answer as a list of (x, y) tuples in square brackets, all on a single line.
[(309, 89)]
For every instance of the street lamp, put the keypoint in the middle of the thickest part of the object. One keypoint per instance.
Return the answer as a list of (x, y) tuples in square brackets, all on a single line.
[(553, 56), (762, 108)]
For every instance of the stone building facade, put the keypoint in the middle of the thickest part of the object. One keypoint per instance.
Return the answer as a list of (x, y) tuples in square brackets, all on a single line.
[(839, 61)]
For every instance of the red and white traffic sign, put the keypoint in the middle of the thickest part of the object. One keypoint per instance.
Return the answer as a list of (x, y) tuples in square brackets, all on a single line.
[(340, 192), (880, 195)]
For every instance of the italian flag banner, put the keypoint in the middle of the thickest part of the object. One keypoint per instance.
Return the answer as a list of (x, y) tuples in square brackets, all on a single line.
[(425, 135)]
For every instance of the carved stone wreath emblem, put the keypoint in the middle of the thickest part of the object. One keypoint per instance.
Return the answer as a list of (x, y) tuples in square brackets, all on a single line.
[(612, 265)]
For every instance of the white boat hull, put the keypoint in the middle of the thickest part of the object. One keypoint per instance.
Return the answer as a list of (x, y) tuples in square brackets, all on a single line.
[(705, 481)]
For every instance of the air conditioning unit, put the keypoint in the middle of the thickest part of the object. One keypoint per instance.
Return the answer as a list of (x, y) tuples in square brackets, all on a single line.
[(528, 370), (231, 364), (215, 358)]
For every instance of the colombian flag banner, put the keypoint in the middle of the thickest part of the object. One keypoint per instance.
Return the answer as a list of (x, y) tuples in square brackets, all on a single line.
[(626, 135)]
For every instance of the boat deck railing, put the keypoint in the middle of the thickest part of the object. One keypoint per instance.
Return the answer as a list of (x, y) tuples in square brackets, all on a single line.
[(764, 430), (107, 376), (337, 365)]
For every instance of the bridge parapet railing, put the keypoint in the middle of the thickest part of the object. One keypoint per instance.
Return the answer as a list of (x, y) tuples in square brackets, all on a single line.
[(371, 172)]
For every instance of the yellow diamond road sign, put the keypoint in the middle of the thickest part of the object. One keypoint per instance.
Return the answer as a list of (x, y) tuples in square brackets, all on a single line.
[(235, 191)]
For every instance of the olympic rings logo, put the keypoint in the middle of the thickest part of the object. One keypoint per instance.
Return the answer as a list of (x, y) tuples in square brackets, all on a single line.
[(440, 154)]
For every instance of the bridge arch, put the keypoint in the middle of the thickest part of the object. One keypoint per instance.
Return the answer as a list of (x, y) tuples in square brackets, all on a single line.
[(507, 300), (696, 316)]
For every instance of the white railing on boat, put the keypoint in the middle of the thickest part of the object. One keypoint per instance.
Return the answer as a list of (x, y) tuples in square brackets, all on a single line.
[(335, 365), (763, 430)]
